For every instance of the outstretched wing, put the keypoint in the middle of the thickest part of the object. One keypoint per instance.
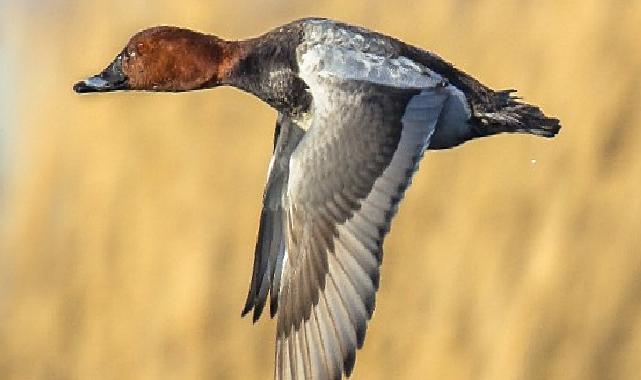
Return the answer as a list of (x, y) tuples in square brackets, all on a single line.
[(346, 178), (270, 245)]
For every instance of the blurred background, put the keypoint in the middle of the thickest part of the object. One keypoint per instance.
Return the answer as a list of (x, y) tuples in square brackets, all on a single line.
[(128, 221)]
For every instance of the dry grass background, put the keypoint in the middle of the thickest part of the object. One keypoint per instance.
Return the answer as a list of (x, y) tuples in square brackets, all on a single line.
[(128, 220)]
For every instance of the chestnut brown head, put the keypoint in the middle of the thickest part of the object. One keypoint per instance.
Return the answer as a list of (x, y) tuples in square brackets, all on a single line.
[(164, 58)]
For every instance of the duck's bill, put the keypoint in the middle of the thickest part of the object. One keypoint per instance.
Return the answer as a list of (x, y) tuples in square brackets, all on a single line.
[(98, 84), (110, 79)]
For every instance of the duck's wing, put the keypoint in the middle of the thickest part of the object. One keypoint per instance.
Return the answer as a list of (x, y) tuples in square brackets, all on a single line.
[(346, 177), (270, 245)]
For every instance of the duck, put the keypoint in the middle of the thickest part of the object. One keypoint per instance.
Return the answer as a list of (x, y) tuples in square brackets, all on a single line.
[(357, 110)]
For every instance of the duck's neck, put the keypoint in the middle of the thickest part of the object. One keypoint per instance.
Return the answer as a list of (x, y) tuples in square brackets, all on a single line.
[(266, 67)]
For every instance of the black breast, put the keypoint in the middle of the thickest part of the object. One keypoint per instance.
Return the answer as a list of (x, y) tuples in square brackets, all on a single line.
[(270, 71)]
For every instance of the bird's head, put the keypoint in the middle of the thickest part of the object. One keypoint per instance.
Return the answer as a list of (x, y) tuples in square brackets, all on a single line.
[(165, 58)]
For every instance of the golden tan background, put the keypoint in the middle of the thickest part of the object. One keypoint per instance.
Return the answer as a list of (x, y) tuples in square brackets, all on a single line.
[(129, 220)]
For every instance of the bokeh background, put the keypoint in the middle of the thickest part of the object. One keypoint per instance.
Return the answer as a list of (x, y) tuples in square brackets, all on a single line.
[(128, 221)]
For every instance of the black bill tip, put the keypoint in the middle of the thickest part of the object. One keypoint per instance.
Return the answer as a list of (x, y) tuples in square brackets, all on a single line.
[(82, 87)]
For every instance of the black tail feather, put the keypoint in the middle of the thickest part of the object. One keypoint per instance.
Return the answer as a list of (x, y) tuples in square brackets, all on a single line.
[(516, 116)]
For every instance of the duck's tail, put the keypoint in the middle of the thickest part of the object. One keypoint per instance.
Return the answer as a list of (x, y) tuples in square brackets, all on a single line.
[(501, 113), (514, 116)]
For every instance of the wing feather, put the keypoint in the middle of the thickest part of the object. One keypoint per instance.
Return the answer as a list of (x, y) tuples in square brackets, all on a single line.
[(270, 244), (347, 176)]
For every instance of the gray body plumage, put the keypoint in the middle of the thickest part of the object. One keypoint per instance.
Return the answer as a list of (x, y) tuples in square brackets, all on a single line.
[(343, 158)]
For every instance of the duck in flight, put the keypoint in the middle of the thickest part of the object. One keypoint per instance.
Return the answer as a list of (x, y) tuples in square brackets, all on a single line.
[(356, 111)]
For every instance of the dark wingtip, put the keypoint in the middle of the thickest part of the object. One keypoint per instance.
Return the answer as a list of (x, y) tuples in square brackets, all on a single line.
[(258, 311), (247, 308), (361, 328), (273, 306), (348, 363)]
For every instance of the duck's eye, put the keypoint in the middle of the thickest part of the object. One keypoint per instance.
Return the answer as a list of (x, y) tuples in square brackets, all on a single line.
[(141, 48)]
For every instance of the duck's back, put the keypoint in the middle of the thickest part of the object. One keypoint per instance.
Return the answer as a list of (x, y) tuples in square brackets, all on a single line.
[(328, 48)]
